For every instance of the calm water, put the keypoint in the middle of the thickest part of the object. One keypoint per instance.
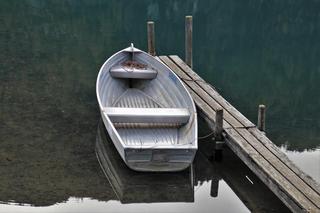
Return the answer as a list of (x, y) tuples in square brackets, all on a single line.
[(251, 51)]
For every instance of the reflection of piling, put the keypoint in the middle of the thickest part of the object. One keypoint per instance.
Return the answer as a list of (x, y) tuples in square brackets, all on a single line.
[(262, 118), (188, 41), (151, 39), (214, 187)]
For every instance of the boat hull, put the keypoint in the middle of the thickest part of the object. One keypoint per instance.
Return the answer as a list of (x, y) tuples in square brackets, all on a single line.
[(127, 184), (151, 160)]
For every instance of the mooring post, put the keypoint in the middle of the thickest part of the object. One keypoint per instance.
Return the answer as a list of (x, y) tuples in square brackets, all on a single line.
[(262, 118), (151, 42), (188, 41), (218, 137), (218, 125)]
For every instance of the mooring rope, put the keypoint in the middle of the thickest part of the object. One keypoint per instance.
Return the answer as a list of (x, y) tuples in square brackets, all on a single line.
[(206, 136)]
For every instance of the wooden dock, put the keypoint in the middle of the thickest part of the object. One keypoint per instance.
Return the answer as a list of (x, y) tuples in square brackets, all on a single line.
[(293, 187)]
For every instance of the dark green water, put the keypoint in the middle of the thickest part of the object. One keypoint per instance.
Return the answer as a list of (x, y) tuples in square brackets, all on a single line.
[(252, 51)]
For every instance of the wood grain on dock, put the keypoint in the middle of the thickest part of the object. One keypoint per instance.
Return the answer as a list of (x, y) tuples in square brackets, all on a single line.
[(292, 186)]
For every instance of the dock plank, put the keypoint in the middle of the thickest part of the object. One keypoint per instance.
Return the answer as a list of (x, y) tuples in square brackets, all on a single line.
[(281, 167), (205, 108), (197, 89), (292, 186), (276, 182), (284, 158), (212, 92)]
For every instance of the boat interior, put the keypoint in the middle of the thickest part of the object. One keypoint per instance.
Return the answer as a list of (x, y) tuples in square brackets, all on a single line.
[(146, 103)]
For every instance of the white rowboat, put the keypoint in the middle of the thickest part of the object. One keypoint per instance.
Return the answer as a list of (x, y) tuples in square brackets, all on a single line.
[(147, 111)]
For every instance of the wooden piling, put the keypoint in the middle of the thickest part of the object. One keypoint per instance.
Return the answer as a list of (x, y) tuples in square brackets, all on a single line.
[(188, 41), (219, 125), (262, 118), (151, 38)]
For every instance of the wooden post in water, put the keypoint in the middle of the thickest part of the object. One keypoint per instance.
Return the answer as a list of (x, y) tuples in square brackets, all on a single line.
[(262, 118), (188, 41), (151, 43), (218, 137), (219, 125)]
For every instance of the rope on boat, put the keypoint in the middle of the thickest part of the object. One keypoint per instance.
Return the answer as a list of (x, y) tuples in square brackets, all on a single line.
[(206, 136), (190, 143)]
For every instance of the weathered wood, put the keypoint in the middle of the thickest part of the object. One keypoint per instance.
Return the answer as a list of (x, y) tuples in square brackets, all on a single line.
[(294, 188), (281, 167), (284, 158), (191, 85), (219, 125), (262, 118), (151, 38), (205, 108), (276, 182), (211, 92), (166, 60), (188, 40)]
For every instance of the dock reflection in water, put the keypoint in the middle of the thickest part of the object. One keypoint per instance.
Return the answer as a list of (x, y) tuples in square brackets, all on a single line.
[(137, 187), (79, 185)]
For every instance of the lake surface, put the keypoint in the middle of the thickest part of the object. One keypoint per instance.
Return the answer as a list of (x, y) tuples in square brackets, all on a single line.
[(252, 51)]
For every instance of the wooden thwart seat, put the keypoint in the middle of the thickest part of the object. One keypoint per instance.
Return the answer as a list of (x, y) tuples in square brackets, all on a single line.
[(130, 72), (147, 115)]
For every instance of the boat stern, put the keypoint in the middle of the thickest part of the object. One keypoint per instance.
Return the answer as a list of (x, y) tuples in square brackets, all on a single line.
[(159, 160)]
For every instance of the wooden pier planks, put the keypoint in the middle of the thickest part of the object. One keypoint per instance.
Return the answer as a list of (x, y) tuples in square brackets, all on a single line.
[(280, 155), (296, 189), (213, 93), (194, 88)]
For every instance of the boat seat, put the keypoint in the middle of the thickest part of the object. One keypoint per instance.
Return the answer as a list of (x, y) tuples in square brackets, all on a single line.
[(120, 71), (148, 115)]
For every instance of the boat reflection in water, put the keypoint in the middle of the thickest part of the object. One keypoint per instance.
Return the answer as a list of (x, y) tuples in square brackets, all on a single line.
[(70, 176), (220, 177), (140, 187)]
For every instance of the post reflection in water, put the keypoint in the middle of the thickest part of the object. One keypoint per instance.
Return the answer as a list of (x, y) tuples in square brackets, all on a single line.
[(253, 52), (137, 187)]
